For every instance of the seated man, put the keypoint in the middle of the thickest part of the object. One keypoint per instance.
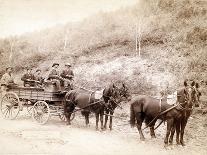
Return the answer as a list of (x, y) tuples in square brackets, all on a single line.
[(67, 74), (54, 76), (28, 78), (38, 78)]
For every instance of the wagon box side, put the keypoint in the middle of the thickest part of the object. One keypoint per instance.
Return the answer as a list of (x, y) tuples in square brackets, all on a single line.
[(37, 94)]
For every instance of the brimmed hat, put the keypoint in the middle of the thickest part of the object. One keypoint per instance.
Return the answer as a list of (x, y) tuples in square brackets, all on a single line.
[(68, 64), (38, 70), (8, 67), (28, 68), (54, 64)]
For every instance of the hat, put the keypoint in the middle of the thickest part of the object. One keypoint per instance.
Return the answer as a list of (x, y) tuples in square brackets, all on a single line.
[(28, 68), (8, 67), (68, 64), (38, 70), (54, 64)]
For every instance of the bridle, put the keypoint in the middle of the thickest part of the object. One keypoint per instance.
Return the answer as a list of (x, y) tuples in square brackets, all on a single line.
[(182, 105)]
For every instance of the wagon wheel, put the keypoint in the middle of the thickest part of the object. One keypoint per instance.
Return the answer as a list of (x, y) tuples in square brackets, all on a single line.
[(40, 112), (63, 118), (10, 105)]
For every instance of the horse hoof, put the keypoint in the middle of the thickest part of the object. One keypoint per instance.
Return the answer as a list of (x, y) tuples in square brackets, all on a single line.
[(142, 139), (182, 143), (166, 146), (153, 136), (68, 123), (178, 143)]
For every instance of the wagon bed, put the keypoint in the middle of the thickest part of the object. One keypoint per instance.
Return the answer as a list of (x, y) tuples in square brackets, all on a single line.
[(40, 103), (27, 93)]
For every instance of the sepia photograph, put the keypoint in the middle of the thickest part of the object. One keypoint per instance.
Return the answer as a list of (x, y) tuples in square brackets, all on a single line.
[(103, 77)]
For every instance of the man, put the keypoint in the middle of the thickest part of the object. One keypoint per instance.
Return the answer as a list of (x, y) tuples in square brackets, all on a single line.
[(28, 78), (38, 78), (7, 80), (54, 76), (67, 74)]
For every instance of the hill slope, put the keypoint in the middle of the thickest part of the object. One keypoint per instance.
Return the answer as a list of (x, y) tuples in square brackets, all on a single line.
[(102, 48)]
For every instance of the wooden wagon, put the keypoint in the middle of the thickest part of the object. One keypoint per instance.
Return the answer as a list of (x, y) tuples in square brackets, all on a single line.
[(40, 103)]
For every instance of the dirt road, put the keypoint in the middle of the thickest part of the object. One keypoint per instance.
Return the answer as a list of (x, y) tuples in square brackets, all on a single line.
[(24, 136)]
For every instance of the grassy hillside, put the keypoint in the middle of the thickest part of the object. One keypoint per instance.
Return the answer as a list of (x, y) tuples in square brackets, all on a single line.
[(102, 47)]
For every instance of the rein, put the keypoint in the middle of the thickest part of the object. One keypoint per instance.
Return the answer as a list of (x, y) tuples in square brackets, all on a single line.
[(161, 113)]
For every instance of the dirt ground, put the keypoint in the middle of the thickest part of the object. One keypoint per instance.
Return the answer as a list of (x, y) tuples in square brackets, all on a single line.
[(24, 136)]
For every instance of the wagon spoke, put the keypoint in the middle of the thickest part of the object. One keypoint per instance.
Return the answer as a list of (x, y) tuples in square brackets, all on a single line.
[(10, 105), (6, 113), (6, 109), (41, 112)]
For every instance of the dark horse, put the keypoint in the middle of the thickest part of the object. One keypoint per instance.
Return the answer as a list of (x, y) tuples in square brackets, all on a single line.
[(148, 108), (87, 102), (111, 103), (181, 122)]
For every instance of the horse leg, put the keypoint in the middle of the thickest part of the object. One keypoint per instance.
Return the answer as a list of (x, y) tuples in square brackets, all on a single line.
[(101, 119), (97, 119), (152, 131), (183, 124), (140, 119), (172, 133), (87, 118), (68, 109), (106, 119), (169, 127), (177, 126), (111, 117)]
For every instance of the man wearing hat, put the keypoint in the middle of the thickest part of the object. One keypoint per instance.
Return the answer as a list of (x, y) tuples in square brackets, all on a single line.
[(54, 76), (68, 75), (38, 78), (7, 80), (28, 78)]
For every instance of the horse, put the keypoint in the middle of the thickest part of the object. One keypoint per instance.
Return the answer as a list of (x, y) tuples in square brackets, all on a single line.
[(180, 124), (111, 103), (87, 102), (149, 109)]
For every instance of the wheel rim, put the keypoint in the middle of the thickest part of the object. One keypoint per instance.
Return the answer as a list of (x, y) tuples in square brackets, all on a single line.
[(10, 106), (40, 112)]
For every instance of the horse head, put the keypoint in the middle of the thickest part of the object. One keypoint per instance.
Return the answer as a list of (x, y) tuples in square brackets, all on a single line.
[(189, 94), (124, 92), (114, 93)]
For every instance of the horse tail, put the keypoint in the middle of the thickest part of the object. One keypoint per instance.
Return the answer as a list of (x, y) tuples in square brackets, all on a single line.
[(132, 116)]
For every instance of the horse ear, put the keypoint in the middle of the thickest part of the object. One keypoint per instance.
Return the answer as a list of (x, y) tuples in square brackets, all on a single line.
[(193, 83), (197, 85), (185, 83), (123, 85)]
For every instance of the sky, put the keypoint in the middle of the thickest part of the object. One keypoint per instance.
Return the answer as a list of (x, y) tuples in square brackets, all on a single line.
[(21, 16)]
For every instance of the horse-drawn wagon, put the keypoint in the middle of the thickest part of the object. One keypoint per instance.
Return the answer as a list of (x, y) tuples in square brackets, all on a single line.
[(41, 103)]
